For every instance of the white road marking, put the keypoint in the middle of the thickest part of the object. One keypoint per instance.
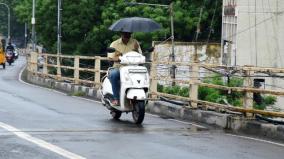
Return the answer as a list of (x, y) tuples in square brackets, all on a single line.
[(184, 122), (86, 99), (41, 143), (153, 115), (256, 139)]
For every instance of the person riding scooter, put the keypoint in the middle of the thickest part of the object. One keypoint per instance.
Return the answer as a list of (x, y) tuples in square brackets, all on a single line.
[(122, 45), (10, 47), (10, 53)]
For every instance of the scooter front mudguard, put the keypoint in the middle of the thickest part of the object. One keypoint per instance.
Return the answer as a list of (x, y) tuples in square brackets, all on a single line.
[(138, 94)]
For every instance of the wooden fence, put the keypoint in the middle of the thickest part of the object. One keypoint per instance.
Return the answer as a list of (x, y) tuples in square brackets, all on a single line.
[(193, 83)]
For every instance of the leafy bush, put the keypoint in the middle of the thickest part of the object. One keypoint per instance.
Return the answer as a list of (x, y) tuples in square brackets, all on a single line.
[(184, 92), (259, 106), (216, 95), (204, 92), (236, 82), (78, 93), (52, 70), (269, 100), (160, 88)]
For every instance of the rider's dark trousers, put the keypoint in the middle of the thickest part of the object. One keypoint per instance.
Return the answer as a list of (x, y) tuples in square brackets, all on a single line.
[(114, 77)]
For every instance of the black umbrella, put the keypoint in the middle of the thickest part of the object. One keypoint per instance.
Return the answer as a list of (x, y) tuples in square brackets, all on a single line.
[(135, 24)]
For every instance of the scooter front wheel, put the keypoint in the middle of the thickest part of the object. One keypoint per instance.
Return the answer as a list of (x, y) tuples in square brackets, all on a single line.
[(138, 111), (116, 114)]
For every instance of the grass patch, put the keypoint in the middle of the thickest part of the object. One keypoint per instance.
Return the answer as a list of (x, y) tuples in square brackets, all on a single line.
[(78, 94)]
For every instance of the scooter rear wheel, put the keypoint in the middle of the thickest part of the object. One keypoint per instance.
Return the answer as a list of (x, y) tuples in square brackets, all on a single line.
[(138, 112), (116, 114)]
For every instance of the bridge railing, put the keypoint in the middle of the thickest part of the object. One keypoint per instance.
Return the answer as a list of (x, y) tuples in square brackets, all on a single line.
[(47, 65), (194, 82)]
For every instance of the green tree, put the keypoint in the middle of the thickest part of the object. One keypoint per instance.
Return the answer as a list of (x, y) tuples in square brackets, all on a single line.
[(17, 29), (85, 23)]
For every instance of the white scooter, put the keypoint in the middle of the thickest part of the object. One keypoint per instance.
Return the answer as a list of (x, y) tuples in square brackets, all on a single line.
[(134, 87)]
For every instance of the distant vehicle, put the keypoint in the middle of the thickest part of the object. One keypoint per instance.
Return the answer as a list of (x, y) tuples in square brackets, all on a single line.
[(2, 59), (10, 57)]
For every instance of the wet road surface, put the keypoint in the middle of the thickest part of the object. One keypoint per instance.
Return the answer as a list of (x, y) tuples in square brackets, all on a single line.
[(40, 123)]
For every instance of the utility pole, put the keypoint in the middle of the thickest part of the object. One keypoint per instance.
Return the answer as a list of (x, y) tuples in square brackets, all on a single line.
[(26, 34), (33, 27), (59, 27), (173, 72), (58, 38), (9, 24)]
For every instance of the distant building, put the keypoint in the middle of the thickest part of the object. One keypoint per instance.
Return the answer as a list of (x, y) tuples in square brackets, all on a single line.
[(253, 34), (184, 52)]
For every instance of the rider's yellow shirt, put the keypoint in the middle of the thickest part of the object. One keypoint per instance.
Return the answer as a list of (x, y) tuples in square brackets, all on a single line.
[(123, 48)]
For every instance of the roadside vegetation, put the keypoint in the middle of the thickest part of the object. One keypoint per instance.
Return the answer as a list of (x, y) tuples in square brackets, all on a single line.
[(78, 94), (218, 96)]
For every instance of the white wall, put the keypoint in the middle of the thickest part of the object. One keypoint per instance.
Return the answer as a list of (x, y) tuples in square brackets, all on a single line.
[(260, 36), (260, 33)]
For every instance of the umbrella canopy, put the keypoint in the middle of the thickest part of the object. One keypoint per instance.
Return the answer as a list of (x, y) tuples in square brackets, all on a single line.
[(135, 24)]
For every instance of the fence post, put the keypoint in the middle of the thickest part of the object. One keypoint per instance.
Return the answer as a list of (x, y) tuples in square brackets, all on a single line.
[(58, 68), (97, 71), (44, 69), (33, 62), (28, 58), (76, 69), (248, 97), (153, 75), (193, 87)]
